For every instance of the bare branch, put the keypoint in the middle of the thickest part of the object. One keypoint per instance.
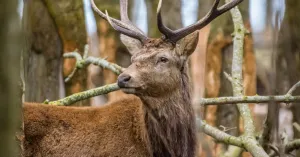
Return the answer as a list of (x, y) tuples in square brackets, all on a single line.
[(297, 85), (85, 95), (86, 51), (71, 75), (237, 71), (275, 149), (225, 129), (220, 135), (85, 61), (249, 99), (105, 64), (293, 145), (229, 78), (296, 126), (248, 139)]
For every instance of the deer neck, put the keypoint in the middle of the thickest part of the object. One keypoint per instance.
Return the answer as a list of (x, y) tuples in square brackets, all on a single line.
[(170, 122)]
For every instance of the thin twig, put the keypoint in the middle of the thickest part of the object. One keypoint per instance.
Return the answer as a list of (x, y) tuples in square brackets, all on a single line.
[(74, 54), (86, 51), (71, 75), (296, 126), (105, 64), (293, 145), (294, 87), (275, 149), (219, 135), (225, 129), (229, 78)]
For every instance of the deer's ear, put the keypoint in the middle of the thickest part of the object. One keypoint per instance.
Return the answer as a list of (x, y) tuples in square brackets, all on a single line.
[(133, 45), (188, 44)]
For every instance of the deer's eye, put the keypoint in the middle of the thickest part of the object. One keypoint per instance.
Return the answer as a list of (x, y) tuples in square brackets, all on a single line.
[(163, 59)]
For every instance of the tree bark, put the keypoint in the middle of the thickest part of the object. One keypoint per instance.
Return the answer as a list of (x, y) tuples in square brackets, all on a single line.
[(42, 54), (71, 28), (288, 60), (11, 91), (68, 17)]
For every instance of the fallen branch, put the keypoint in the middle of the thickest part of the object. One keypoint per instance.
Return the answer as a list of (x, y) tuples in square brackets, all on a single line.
[(85, 95)]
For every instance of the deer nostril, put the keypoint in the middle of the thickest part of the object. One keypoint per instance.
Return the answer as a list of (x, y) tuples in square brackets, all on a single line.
[(123, 80), (127, 78)]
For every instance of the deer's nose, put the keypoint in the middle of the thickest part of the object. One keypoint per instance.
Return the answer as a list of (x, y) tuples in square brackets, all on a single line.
[(123, 79)]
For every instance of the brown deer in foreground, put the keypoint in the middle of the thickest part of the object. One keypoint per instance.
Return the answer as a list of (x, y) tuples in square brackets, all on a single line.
[(158, 121)]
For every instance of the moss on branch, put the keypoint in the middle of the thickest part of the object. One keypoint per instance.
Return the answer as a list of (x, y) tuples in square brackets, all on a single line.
[(249, 99), (248, 139), (85, 95)]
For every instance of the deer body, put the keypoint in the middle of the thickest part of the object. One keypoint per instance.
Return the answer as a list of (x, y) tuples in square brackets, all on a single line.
[(157, 122), (112, 130)]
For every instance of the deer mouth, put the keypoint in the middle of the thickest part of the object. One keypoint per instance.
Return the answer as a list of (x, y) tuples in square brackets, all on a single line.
[(129, 90)]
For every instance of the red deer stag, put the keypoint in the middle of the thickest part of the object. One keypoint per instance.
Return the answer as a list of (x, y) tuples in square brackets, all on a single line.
[(158, 121)]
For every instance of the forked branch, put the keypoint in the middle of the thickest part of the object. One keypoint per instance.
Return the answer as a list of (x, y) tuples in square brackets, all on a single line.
[(87, 60), (249, 141)]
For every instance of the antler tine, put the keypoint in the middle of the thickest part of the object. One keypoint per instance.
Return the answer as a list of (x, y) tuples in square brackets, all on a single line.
[(161, 27), (174, 36), (124, 15), (124, 26), (124, 10)]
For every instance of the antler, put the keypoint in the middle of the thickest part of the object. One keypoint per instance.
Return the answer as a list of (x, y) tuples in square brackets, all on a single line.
[(174, 36), (125, 26)]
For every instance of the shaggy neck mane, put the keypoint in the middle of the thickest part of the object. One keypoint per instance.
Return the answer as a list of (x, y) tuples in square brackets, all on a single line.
[(171, 126)]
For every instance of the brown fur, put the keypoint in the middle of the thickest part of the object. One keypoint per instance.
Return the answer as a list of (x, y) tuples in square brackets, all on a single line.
[(159, 123), (116, 129)]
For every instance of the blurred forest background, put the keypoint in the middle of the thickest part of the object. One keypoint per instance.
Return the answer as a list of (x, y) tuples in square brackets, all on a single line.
[(271, 66)]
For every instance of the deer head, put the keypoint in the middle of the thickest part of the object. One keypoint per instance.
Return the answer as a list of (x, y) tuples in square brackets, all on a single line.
[(157, 64)]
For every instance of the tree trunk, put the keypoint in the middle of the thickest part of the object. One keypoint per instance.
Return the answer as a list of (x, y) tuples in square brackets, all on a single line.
[(68, 17), (219, 58), (11, 91), (42, 55), (198, 75), (288, 60), (71, 27), (198, 58)]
